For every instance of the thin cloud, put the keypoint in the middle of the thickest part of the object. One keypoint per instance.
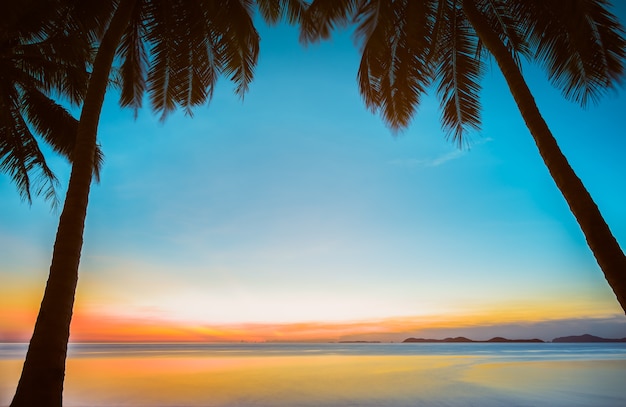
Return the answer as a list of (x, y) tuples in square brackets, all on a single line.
[(452, 155), (436, 161), (431, 162)]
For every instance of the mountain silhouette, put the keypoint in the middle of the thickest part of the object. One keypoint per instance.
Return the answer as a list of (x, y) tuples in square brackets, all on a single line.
[(462, 339), (586, 338)]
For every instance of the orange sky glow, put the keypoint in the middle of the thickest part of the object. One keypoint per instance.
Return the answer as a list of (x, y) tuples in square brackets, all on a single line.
[(96, 326), (100, 322)]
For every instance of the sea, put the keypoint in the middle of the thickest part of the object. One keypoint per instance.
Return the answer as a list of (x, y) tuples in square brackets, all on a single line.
[(334, 374)]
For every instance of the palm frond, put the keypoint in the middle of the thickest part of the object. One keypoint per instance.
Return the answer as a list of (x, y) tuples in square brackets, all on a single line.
[(50, 120), (159, 27), (194, 92), (191, 43), (192, 38), (270, 10), (98, 163), (322, 16), (55, 125), (89, 17), (459, 72), (28, 19), (57, 64), (581, 44), (273, 11), (293, 10), (444, 7), (376, 54), (394, 71), (134, 57), (507, 26), (374, 22), (52, 46), (44, 52), (207, 60), (238, 43), (20, 156)]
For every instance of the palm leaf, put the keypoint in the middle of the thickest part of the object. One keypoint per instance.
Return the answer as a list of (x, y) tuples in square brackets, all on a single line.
[(273, 11), (394, 70), (46, 64), (133, 53), (508, 28), (193, 90), (55, 125), (20, 156), (159, 27), (581, 44), (270, 10), (444, 7), (322, 16), (191, 37), (238, 43), (459, 72), (44, 53), (373, 35)]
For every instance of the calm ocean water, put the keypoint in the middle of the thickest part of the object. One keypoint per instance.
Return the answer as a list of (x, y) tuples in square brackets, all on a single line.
[(341, 375)]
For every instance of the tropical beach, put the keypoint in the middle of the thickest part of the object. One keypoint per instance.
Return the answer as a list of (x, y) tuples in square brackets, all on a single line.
[(229, 203)]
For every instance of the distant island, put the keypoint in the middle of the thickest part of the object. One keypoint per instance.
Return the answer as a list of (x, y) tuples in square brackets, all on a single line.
[(586, 338), (462, 339)]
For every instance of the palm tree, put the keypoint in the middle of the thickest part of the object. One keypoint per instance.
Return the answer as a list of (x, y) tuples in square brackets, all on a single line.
[(37, 60), (409, 45), (174, 50)]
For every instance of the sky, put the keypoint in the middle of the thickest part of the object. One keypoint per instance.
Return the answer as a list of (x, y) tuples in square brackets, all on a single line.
[(297, 215)]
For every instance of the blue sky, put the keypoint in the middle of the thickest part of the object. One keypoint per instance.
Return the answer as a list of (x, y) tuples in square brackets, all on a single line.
[(297, 204)]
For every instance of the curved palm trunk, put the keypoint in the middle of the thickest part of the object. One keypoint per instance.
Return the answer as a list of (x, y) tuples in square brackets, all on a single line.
[(603, 244), (41, 382)]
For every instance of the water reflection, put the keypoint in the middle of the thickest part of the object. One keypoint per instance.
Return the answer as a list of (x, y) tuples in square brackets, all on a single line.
[(341, 375)]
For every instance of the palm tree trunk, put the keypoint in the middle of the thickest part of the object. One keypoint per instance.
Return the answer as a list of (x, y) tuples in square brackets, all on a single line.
[(41, 382), (601, 241)]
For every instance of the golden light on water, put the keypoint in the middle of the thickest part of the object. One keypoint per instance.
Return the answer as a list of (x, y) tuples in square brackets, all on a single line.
[(276, 375), (261, 380)]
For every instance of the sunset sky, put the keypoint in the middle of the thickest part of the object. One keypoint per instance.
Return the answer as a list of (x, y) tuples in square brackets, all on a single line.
[(295, 214)]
